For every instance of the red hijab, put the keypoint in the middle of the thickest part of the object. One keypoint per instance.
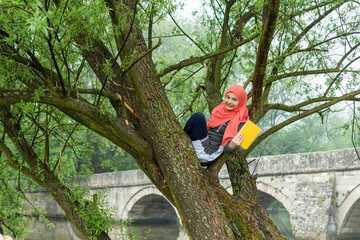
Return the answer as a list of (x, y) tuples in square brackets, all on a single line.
[(221, 114)]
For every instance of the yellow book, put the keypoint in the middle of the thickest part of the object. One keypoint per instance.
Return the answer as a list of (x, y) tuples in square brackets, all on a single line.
[(250, 131)]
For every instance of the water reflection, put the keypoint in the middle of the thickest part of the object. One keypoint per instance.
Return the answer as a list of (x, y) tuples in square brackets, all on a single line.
[(278, 213), (281, 217), (158, 232), (64, 230), (154, 218), (349, 237)]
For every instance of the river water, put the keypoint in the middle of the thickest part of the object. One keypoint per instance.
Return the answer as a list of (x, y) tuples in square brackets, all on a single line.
[(64, 230)]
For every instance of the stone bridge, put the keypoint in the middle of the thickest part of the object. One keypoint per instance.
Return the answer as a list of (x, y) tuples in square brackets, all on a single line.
[(309, 196)]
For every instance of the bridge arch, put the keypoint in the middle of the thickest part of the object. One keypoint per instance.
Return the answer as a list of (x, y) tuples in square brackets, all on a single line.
[(146, 192), (151, 213), (274, 206), (349, 213), (73, 232), (276, 193)]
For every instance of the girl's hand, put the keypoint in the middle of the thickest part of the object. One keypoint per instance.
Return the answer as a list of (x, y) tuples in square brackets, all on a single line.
[(237, 140)]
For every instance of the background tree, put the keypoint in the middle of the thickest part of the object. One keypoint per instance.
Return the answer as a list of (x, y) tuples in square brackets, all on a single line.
[(91, 62)]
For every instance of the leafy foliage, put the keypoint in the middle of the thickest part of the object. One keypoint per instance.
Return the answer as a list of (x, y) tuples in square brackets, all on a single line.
[(97, 214), (72, 71)]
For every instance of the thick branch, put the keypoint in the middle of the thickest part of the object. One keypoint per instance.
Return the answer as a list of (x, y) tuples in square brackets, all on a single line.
[(215, 86), (240, 23), (108, 126), (10, 160), (262, 56)]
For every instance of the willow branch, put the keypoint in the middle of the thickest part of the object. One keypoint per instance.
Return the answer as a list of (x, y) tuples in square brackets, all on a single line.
[(10, 159), (307, 29), (114, 97), (305, 73), (347, 54), (302, 11), (305, 113), (181, 30), (240, 23), (140, 57), (339, 74), (110, 96), (193, 60), (52, 54), (34, 64), (289, 50)]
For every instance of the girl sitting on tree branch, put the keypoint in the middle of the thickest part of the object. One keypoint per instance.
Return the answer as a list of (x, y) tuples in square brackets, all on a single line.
[(221, 134)]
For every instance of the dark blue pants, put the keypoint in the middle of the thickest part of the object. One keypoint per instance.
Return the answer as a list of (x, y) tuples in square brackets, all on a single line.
[(195, 127)]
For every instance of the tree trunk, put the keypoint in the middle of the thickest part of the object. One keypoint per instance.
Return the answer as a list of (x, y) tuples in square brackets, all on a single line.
[(248, 220), (242, 182), (153, 136), (207, 211)]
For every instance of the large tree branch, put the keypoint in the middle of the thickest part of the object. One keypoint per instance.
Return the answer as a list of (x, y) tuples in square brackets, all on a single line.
[(262, 56), (241, 21), (87, 114), (217, 69), (115, 98), (10, 160)]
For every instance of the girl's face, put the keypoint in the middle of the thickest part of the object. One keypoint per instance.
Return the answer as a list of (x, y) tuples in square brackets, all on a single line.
[(231, 101)]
